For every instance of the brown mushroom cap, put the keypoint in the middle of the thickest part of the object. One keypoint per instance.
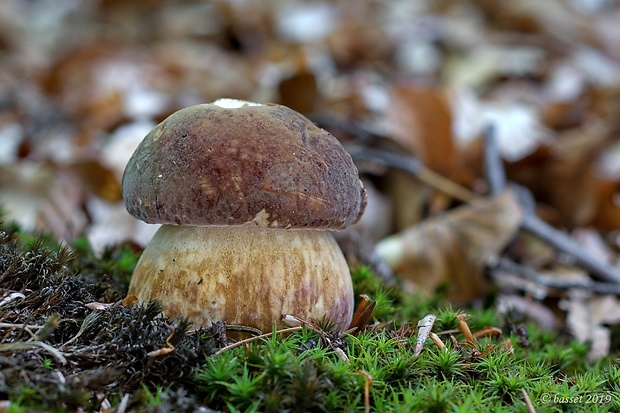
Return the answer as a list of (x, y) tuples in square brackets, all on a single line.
[(264, 164)]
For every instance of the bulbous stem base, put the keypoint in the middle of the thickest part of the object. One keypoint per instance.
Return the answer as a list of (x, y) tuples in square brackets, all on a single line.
[(245, 275)]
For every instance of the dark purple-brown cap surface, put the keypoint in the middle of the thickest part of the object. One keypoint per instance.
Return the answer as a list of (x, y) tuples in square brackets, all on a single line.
[(213, 165)]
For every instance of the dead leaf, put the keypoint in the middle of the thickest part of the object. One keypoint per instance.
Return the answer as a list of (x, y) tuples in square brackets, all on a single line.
[(98, 179), (363, 314), (425, 326), (529, 307), (607, 215), (299, 92), (453, 247), (562, 174), (129, 300), (586, 316), (569, 177), (420, 120)]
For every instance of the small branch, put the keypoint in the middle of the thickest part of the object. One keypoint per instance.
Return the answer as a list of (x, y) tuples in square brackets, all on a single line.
[(414, 167), (493, 166), (24, 327), (249, 340), (528, 401), (368, 381), (560, 241), (496, 178), (11, 325), (352, 128), (512, 267), (27, 345), (243, 329)]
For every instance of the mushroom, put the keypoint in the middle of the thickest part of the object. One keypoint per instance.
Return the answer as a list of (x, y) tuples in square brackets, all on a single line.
[(247, 194)]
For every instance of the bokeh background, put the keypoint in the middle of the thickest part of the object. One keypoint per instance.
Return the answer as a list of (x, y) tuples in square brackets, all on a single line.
[(83, 81)]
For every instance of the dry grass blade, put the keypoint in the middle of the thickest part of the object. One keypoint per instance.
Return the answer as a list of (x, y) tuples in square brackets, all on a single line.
[(528, 401), (249, 340), (369, 380), (27, 345)]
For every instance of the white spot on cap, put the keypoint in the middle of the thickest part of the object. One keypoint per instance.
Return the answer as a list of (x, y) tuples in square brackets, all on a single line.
[(234, 103)]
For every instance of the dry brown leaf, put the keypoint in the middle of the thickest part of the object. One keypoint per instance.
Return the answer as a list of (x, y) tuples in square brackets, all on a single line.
[(420, 120), (562, 174), (453, 247), (98, 179), (299, 92), (570, 180), (607, 216)]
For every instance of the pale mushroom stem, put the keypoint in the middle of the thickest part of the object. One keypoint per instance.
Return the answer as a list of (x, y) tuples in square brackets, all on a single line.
[(245, 275)]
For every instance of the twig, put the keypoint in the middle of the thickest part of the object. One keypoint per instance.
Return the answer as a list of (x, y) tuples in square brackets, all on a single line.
[(243, 329), (414, 167), (559, 240), (11, 325), (494, 169), (25, 327), (368, 381), (26, 345), (528, 401), (496, 178), (82, 350), (249, 340), (352, 128), (504, 264)]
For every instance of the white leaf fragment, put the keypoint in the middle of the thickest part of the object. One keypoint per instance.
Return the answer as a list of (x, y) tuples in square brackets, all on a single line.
[(425, 326)]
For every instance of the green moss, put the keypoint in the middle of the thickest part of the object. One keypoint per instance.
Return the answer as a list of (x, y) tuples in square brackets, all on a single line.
[(149, 363)]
